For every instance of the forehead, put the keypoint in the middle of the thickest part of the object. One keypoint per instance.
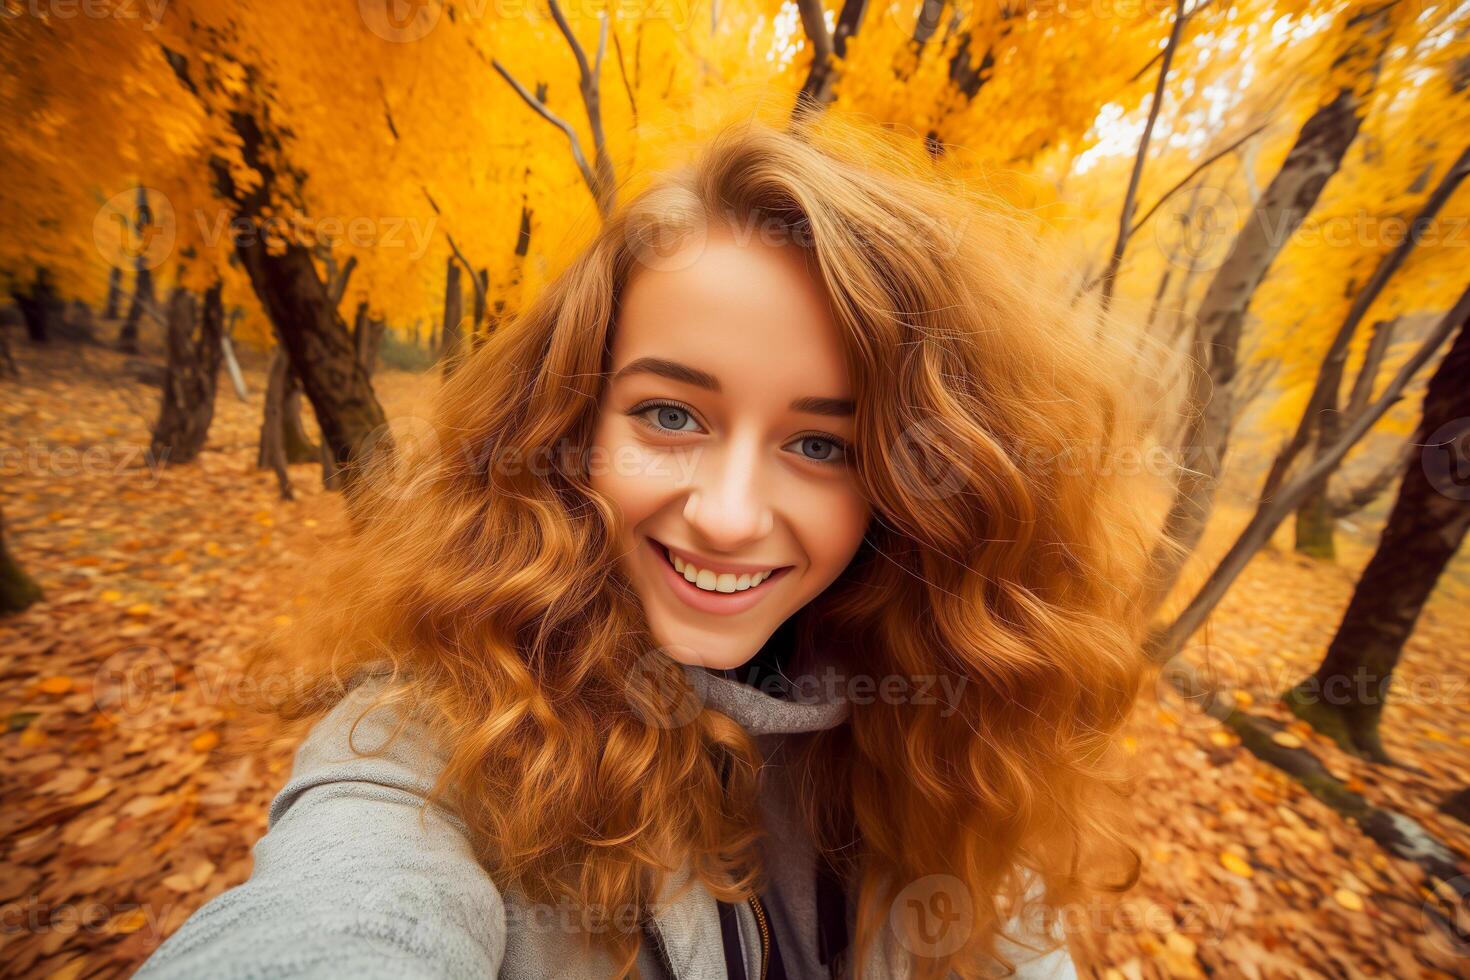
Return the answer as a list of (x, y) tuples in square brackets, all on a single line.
[(750, 312)]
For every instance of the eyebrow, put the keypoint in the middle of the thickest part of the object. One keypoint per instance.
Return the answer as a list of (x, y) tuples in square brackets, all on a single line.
[(674, 371)]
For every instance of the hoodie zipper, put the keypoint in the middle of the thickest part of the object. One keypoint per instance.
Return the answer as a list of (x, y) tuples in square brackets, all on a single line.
[(760, 921)]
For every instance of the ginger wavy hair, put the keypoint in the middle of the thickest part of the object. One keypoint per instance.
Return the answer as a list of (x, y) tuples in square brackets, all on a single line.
[(996, 417)]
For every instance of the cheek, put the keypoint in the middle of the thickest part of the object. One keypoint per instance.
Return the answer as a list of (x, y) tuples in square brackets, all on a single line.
[(830, 524), (627, 473)]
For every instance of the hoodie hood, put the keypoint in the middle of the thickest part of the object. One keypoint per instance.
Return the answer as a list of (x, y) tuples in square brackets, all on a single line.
[(804, 705)]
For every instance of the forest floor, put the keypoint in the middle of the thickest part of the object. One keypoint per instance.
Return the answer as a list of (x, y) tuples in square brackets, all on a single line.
[(119, 820)]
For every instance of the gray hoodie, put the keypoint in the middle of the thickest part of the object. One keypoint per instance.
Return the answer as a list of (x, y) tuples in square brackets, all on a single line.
[(347, 882)]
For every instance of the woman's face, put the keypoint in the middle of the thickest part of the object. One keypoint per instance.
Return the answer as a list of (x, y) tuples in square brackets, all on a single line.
[(723, 436)]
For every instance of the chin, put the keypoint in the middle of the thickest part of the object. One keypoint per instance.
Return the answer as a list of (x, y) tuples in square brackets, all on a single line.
[(702, 650)]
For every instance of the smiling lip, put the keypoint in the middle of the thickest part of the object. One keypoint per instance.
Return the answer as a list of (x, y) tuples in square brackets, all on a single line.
[(713, 602)]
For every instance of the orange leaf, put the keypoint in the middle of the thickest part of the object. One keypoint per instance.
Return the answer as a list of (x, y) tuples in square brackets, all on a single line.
[(55, 685), (1236, 864), (204, 741)]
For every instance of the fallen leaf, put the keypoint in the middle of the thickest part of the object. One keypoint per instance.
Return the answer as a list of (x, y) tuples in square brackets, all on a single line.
[(204, 741), (1236, 864), (55, 685)]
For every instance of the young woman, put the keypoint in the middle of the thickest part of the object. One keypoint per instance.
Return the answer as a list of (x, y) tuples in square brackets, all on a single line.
[(761, 603)]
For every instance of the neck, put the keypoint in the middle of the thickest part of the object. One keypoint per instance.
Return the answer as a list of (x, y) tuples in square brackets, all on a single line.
[(765, 670)]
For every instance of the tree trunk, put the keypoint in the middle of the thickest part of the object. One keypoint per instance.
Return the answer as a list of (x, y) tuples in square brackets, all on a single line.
[(272, 453), (192, 373), (40, 306), (819, 89), (296, 300), (232, 367), (1315, 522), (1164, 642), (453, 314), (1322, 403), (1314, 527), (17, 589), (283, 405), (367, 337), (1344, 698), (1378, 344), (512, 287), (1457, 805), (7, 361), (114, 293), (143, 298), (479, 332), (319, 348), (927, 23), (77, 324), (299, 447), (141, 306), (1318, 152)]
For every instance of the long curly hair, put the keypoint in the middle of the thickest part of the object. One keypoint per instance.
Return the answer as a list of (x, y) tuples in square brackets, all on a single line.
[(999, 424)]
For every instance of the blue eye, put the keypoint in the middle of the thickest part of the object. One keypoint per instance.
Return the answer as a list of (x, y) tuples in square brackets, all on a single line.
[(670, 418), (820, 449)]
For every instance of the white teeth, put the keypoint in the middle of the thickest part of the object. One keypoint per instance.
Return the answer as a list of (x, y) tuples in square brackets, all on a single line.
[(718, 582)]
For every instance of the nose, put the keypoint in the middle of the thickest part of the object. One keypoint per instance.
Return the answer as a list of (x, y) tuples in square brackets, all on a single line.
[(727, 506)]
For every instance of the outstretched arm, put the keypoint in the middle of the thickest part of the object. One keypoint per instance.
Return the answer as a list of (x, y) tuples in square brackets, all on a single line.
[(347, 882)]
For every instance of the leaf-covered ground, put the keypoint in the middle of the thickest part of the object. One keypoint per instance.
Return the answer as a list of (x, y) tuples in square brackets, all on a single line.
[(121, 817)]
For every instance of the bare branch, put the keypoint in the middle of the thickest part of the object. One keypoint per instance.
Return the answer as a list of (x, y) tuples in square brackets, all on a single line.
[(1378, 346), (337, 281), (1155, 59), (555, 120), (627, 85), (566, 31), (598, 175), (1344, 502), (1125, 219), (1203, 164)]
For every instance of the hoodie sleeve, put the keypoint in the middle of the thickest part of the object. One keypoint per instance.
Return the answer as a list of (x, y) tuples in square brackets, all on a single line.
[(346, 880), (1038, 955)]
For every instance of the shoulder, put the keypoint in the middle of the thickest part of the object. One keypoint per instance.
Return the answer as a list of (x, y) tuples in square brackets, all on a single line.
[(355, 874)]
